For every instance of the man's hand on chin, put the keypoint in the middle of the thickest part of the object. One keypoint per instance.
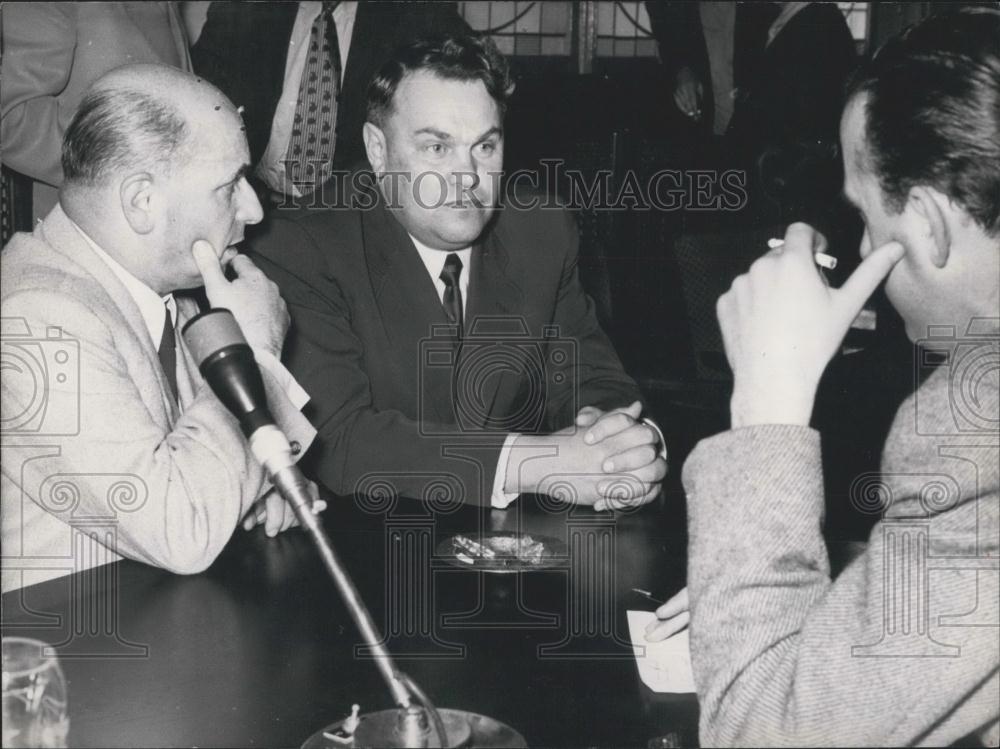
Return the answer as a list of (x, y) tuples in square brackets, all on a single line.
[(252, 297), (781, 324)]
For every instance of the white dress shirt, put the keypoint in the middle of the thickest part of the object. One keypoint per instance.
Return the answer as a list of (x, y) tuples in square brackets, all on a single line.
[(434, 262), (153, 309), (271, 168)]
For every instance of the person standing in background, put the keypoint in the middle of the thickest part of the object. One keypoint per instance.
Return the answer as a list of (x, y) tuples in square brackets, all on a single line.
[(52, 53), (301, 72), (786, 114), (709, 50)]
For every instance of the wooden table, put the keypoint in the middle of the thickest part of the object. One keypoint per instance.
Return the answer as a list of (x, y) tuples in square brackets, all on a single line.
[(259, 650)]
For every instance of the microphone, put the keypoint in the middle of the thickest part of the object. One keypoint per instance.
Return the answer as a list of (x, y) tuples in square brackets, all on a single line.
[(227, 363)]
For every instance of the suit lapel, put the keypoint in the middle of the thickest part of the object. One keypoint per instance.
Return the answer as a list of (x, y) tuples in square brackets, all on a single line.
[(409, 307), (492, 311), (492, 293), (60, 234)]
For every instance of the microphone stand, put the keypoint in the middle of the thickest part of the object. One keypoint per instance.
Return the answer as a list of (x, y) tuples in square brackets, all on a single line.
[(227, 363), (412, 726)]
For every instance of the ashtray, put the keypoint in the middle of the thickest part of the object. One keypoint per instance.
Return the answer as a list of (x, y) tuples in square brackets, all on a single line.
[(503, 551)]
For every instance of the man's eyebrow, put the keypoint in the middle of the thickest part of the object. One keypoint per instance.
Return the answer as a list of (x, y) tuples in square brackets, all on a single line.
[(242, 172), (495, 130), (440, 134)]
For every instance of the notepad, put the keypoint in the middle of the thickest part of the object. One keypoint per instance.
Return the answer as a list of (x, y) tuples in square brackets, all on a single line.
[(663, 666)]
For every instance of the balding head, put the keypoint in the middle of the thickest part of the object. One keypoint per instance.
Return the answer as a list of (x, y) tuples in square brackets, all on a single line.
[(156, 160), (141, 118)]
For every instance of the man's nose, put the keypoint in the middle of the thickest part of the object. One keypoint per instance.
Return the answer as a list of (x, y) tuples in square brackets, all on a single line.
[(466, 179), (250, 210)]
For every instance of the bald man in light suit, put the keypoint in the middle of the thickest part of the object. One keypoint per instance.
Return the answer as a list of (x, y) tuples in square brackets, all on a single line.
[(154, 200)]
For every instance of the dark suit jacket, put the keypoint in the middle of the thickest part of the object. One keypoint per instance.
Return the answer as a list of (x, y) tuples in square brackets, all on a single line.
[(364, 317), (785, 123), (243, 47), (796, 93), (677, 28)]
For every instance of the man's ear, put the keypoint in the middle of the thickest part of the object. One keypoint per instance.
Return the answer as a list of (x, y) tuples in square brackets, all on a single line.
[(375, 146), (137, 201), (932, 211)]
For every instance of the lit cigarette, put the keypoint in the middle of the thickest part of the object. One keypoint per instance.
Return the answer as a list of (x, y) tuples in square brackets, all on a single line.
[(825, 261), (647, 594), (822, 259)]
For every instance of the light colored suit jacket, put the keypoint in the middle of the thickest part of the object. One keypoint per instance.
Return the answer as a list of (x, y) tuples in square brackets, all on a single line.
[(98, 463), (903, 648), (53, 52)]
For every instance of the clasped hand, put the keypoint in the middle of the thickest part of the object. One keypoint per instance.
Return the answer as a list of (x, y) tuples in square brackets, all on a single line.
[(605, 459)]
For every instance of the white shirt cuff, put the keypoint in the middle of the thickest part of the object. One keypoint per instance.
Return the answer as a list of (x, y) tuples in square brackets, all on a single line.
[(501, 499), (292, 388), (656, 428)]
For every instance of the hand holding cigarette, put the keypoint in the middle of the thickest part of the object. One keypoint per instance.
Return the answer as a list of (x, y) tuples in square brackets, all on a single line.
[(822, 259), (781, 324)]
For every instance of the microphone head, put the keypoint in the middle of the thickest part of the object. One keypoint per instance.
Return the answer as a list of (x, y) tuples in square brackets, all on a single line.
[(210, 332), (227, 363)]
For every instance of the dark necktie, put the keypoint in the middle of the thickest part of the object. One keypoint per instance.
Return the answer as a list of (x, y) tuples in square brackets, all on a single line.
[(314, 128), (167, 351), (452, 300)]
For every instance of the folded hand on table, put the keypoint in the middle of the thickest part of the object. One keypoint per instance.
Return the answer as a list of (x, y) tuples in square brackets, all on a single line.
[(276, 514), (646, 461), (605, 459)]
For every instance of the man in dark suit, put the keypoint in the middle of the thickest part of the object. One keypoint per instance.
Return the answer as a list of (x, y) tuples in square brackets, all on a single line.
[(248, 51), (443, 340), (710, 50)]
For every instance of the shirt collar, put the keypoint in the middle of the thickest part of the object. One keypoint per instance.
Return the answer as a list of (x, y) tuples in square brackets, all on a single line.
[(151, 305), (434, 259)]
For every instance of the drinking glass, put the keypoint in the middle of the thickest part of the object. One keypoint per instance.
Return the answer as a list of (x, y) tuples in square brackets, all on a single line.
[(34, 696)]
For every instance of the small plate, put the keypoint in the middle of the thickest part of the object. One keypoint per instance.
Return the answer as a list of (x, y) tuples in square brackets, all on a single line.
[(503, 551)]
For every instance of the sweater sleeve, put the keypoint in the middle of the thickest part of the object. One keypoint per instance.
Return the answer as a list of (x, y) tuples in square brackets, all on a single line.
[(782, 655)]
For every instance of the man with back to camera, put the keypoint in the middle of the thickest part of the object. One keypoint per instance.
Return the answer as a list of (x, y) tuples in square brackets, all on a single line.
[(902, 648), (440, 336), (155, 198)]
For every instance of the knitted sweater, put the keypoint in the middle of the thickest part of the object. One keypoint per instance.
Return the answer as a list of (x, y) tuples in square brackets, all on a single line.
[(903, 647)]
